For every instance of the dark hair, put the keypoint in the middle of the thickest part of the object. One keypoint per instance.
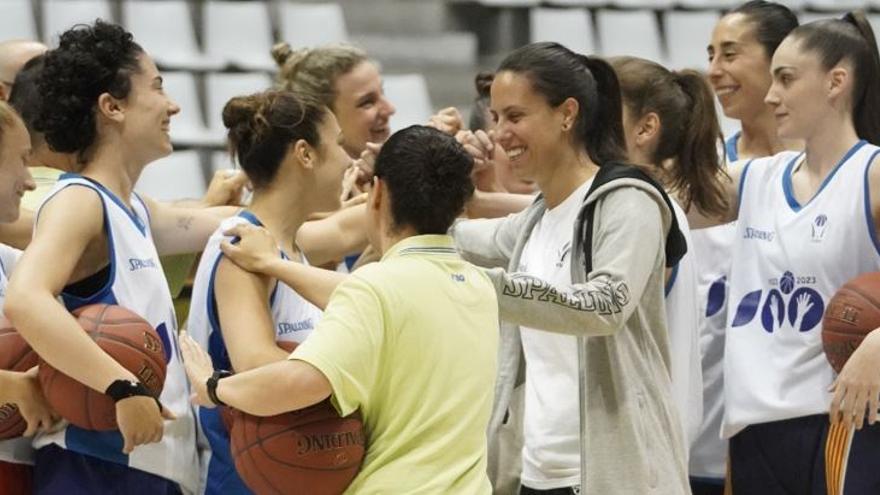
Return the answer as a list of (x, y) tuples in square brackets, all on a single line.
[(558, 73), (89, 61), (25, 96), (772, 21), (689, 130), (852, 39), (428, 174), (262, 127), (480, 107)]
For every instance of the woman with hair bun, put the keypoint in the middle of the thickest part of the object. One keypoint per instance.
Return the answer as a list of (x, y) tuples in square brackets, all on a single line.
[(290, 148), (96, 241)]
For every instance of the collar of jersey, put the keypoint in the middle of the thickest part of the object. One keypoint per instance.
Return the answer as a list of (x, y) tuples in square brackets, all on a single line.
[(430, 244)]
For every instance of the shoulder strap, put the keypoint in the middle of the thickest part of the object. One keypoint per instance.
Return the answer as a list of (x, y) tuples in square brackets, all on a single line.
[(676, 245)]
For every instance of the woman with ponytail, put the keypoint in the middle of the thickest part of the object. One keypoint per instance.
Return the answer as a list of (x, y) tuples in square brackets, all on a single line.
[(807, 223), (672, 131), (582, 297)]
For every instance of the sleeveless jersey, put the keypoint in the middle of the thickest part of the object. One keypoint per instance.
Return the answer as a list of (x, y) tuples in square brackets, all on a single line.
[(683, 322), (788, 260), (17, 450), (137, 283), (293, 317)]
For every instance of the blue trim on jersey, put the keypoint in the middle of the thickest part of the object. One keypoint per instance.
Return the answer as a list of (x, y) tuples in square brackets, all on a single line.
[(105, 295), (742, 183), (222, 477), (869, 216), (730, 147), (105, 445), (144, 204), (131, 214), (671, 282), (216, 346), (3, 268), (786, 177)]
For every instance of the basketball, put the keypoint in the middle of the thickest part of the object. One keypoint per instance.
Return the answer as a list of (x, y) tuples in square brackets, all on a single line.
[(852, 313), (15, 355), (127, 338)]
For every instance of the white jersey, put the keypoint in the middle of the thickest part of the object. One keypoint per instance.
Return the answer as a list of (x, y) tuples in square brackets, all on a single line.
[(136, 282), (683, 320), (713, 247), (16, 450), (788, 260), (293, 317)]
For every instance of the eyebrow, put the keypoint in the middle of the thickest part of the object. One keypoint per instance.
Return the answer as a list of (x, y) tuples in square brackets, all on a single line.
[(777, 70), (724, 44)]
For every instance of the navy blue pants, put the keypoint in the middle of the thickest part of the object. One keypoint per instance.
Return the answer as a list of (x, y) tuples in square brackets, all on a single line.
[(59, 471), (805, 456)]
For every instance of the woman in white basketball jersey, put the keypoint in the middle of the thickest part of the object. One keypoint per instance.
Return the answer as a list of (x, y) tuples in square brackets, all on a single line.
[(96, 241), (290, 149), (807, 223)]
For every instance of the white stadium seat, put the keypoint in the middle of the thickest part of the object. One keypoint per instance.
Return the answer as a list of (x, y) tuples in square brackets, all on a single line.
[(239, 33), (634, 33), (188, 127), (165, 29), (687, 34), (17, 21), (409, 94), (177, 176), (571, 27), (310, 24), (220, 88), (61, 15)]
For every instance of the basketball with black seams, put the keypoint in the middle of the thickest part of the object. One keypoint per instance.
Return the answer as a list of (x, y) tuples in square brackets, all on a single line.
[(15, 355), (124, 336), (312, 450), (852, 314)]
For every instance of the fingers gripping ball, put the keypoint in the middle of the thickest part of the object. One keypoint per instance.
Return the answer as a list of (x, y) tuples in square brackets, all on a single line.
[(127, 338), (15, 355), (852, 313), (312, 450)]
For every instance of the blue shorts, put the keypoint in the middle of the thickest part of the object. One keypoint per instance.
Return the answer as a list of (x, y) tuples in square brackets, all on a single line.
[(805, 456), (59, 471)]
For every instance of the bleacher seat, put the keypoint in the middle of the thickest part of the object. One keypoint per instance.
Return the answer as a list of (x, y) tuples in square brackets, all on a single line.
[(409, 94), (220, 160), (642, 4), (808, 17), (510, 3), (165, 29), (687, 34), (306, 24), (708, 4), (571, 27), (177, 176), (835, 5), (17, 21), (220, 88), (188, 127), (625, 32), (577, 3), (239, 33), (61, 15)]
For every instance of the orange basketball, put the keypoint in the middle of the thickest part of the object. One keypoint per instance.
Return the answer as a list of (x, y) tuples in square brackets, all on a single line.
[(852, 313), (15, 355), (127, 338), (312, 450)]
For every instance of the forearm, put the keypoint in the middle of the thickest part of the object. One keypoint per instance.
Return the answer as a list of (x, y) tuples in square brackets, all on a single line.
[(486, 242), (313, 284), (55, 335), (496, 204), (273, 389), (332, 238), (10, 385)]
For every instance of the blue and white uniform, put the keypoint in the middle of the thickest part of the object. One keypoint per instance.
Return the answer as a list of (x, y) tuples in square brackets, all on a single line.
[(15, 450), (293, 317), (789, 260), (683, 321), (136, 282)]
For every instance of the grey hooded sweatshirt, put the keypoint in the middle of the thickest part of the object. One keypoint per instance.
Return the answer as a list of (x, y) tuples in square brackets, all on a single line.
[(631, 438)]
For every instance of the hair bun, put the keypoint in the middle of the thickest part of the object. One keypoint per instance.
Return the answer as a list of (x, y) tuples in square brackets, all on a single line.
[(483, 83)]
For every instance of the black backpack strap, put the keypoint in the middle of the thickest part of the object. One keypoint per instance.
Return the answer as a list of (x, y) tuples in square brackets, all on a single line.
[(676, 245)]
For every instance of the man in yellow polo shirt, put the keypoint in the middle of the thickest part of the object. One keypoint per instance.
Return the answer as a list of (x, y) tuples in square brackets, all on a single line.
[(410, 341)]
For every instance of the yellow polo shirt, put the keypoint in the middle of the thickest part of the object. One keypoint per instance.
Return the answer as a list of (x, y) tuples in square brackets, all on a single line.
[(412, 342)]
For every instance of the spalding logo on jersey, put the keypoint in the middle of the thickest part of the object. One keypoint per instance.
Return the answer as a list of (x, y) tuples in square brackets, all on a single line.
[(790, 301)]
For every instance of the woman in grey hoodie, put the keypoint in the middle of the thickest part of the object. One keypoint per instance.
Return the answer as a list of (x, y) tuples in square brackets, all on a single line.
[(580, 276)]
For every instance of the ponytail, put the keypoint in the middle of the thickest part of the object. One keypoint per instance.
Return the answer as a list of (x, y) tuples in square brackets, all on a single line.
[(689, 130), (603, 133), (866, 103)]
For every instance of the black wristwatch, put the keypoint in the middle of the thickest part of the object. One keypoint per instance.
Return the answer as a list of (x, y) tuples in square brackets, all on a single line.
[(123, 389), (212, 386)]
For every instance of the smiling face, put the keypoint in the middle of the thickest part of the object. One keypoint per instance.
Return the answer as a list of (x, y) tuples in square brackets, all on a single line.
[(147, 113), (527, 127), (739, 67), (799, 94), (15, 178), (361, 108)]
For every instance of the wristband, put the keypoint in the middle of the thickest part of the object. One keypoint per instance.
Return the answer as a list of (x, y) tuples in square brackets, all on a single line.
[(123, 389), (212, 386)]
